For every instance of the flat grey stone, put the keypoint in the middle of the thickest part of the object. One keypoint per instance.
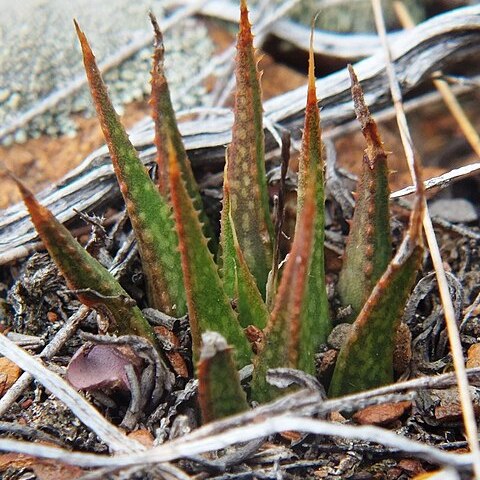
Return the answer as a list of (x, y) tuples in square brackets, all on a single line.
[(454, 210)]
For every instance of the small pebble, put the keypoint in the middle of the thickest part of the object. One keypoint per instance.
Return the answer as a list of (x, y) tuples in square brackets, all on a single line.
[(454, 210)]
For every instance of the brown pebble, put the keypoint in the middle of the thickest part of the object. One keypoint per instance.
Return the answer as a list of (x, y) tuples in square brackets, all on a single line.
[(383, 415), (473, 356), (339, 335), (26, 403), (52, 316), (142, 436), (9, 373)]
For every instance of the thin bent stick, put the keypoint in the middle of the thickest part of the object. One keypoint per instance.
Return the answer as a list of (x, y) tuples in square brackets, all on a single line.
[(453, 334), (187, 447), (443, 87), (48, 352), (85, 412)]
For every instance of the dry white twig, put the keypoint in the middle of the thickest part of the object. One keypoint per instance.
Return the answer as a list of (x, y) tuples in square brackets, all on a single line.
[(48, 352), (185, 447), (453, 334), (86, 413), (442, 181)]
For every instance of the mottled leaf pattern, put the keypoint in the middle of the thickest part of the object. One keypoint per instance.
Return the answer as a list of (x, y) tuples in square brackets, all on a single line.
[(315, 322), (366, 359), (209, 308), (246, 166), (283, 332), (239, 283), (166, 129), (369, 246), (149, 212)]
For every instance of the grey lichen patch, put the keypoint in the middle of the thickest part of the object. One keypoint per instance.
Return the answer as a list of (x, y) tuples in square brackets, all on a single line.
[(40, 55), (348, 16)]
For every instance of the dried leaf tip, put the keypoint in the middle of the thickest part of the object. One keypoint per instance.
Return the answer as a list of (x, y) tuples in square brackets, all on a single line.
[(220, 392), (312, 91), (369, 127), (37, 211), (83, 40), (245, 26), (158, 36)]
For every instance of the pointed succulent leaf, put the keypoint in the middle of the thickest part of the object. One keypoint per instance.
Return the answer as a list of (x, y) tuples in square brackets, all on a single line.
[(220, 393), (166, 127), (149, 212), (315, 321), (95, 285), (282, 344), (209, 307), (368, 249), (366, 358), (246, 166), (239, 283)]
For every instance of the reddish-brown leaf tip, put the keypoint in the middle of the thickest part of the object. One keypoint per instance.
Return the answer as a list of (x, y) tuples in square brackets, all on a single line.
[(158, 38), (36, 210), (312, 91), (369, 127), (83, 40)]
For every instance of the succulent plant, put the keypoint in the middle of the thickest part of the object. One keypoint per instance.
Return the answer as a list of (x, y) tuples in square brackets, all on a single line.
[(224, 296)]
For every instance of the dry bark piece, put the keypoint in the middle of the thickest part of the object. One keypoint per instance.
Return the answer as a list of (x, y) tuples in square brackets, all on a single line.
[(383, 415), (326, 365), (411, 466), (9, 373), (176, 360)]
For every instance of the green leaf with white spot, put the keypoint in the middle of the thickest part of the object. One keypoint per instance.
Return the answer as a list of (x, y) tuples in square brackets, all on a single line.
[(282, 343), (239, 283), (166, 130), (149, 212), (369, 244), (209, 307), (315, 324), (366, 359), (246, 167), (95, 285)]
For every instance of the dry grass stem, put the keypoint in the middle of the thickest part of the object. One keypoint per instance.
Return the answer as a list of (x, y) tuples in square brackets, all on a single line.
[(453, 333), (444, 88), (187, 447), (84, 411), (442, 181)]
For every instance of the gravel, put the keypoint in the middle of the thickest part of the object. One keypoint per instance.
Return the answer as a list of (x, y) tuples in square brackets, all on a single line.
[(40, 55)]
